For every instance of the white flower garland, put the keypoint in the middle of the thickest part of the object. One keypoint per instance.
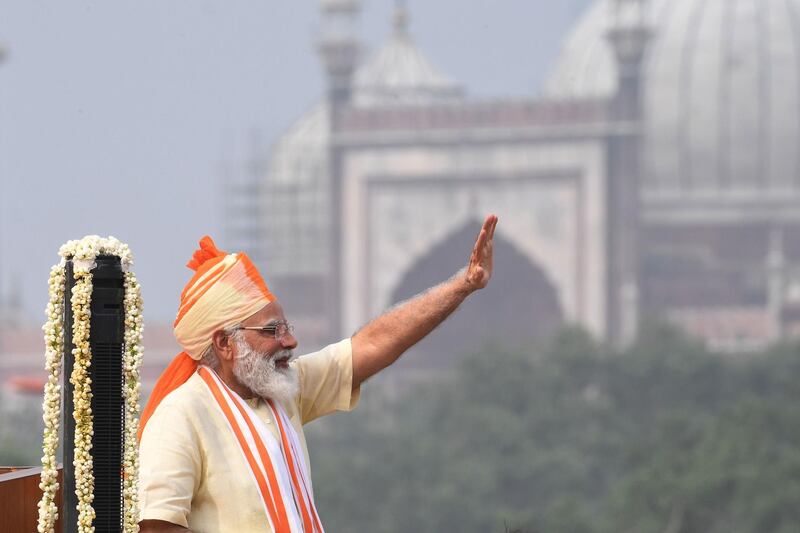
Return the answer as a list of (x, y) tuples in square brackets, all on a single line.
[(134, 324), (82, 395), (83, 254), (54, 342)]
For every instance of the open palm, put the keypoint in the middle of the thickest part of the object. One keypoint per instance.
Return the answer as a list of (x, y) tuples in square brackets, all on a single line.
[(479, 269)]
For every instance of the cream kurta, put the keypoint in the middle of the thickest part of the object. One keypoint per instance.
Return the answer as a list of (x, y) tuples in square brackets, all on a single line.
[(192, 471)]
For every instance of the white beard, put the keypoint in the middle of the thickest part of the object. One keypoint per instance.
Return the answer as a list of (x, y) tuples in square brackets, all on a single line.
[(257, 371)]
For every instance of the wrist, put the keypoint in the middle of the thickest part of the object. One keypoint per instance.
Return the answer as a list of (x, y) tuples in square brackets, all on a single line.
[(461, 284)]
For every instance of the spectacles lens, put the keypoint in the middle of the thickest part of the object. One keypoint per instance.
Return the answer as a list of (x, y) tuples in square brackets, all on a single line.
[(282, 329)]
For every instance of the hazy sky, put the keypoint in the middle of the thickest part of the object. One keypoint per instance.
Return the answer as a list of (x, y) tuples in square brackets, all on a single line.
[(115, 117)]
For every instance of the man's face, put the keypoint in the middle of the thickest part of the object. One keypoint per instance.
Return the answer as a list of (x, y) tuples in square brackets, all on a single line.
[(261, 362), (265, 342)]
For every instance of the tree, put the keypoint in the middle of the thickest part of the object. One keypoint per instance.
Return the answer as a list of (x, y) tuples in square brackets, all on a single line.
[(571, 436)]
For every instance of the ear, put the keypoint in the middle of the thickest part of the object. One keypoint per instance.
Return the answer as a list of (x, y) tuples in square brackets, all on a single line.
[(223, 345)]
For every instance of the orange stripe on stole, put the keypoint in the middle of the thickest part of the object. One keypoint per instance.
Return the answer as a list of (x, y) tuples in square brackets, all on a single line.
[(293, 466), (278, 516), (266, 458)]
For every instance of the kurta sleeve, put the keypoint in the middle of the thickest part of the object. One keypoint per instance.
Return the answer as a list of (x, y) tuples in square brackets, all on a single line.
[(170, 465), (326, 381)]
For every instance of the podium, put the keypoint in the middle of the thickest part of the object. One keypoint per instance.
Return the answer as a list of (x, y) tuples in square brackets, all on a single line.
[(19, 494)]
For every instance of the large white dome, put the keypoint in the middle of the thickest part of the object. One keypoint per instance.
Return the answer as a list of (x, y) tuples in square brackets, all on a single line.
[(721, 94)]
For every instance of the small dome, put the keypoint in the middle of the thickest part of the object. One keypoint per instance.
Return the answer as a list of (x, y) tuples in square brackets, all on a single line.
[(398, 73), (721, 93), (296, 189)]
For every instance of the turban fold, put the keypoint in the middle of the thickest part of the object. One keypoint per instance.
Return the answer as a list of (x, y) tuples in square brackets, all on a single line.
[(225, 290)]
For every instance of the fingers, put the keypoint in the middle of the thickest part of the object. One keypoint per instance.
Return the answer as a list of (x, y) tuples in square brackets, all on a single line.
[(477, 251), (483, 243), (488, 250), (485, 228), (487, 223), (494, 225), (479, 269)]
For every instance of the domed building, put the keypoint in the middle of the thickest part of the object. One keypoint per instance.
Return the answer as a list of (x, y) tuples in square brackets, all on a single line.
[(720, 182), (721, 89), (295, 195), (658, 174)]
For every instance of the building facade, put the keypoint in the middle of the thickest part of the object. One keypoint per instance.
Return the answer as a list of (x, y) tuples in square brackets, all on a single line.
[(656, 175)]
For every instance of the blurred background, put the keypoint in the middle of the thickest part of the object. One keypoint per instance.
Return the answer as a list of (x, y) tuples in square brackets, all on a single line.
[(634, 363)]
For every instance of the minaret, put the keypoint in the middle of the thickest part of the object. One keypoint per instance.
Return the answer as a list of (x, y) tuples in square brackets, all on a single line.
[(339, 46), (628, 37), (400, 19)]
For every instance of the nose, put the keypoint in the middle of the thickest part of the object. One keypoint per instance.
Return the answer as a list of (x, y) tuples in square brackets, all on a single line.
[(288, 341)]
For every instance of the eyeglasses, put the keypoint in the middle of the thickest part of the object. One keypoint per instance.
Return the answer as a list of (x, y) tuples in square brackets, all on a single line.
[(278, 330)]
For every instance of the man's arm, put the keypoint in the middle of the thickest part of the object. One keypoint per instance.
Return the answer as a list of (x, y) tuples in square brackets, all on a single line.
[(379, 343), (160, 526)]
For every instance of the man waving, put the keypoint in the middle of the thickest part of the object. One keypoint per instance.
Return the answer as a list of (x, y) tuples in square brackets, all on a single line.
[(222, 446)]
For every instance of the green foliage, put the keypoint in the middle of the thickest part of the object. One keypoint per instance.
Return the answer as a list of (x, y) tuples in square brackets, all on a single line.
[(572, 437), (566, 437)]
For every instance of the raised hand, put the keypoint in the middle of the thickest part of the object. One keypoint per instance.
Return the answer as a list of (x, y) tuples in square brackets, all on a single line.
[(379, 343), (479, 269)]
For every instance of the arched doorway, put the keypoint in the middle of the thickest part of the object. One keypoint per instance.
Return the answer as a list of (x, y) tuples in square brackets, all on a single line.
[(519, 305)]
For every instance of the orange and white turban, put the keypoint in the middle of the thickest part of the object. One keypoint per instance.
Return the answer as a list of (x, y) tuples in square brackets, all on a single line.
[(225, 290)]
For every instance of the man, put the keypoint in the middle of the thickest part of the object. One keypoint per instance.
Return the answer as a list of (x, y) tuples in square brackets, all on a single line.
[(222, 446)]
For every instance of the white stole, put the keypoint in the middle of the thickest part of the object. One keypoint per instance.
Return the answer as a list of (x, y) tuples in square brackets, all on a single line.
[(277, 467)]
